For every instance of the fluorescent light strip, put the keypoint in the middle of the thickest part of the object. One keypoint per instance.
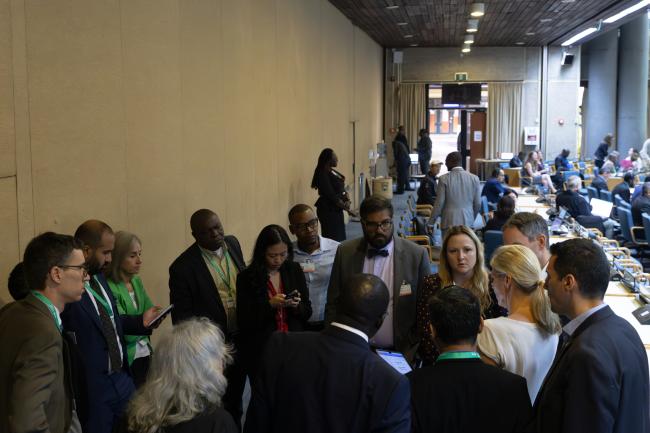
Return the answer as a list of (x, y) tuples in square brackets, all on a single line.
[(582, 34), (627, 11)]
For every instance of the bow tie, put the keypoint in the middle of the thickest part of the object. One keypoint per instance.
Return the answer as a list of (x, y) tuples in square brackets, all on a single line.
[(372, 252)]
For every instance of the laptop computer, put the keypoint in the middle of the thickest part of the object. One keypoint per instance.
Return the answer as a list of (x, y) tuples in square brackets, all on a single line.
[(601, 208)]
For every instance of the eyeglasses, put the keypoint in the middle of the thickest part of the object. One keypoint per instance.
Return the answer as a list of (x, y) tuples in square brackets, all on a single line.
[(312, 224), (384, 225), (83, 268)]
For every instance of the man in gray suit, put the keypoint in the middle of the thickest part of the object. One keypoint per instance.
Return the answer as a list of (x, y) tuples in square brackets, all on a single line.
[(401, 264), (458, 195)]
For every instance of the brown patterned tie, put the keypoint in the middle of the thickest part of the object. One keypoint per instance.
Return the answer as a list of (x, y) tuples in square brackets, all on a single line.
[(109, 331)]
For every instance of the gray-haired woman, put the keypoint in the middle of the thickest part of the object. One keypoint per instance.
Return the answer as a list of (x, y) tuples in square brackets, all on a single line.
[(185, 383)]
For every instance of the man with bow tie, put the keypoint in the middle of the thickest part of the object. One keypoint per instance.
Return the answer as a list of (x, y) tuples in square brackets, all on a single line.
[(401, 264)]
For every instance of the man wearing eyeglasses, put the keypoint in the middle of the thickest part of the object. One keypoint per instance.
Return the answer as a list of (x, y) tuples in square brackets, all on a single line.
[(315, 255), (401, 264), (35, 383)]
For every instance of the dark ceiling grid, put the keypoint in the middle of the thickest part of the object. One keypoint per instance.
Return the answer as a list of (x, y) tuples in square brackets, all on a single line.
[(506, 22)]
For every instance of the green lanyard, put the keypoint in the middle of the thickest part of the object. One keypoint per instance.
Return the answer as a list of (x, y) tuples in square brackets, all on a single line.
[(50, 306), (458, 355), (99, 298), (225, 278)]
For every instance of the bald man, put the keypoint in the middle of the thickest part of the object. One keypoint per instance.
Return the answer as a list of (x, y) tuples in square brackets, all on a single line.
[(331, 382), (202, 283)]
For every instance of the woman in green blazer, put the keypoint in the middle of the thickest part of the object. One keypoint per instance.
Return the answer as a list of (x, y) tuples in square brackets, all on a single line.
[(131, 298)]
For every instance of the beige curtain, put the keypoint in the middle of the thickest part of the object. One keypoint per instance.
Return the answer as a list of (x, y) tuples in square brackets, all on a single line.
[(412, 110), (504, 130)]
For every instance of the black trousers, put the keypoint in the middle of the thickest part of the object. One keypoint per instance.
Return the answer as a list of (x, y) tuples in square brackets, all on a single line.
[(139, 370), (402, 177), (331, 223)]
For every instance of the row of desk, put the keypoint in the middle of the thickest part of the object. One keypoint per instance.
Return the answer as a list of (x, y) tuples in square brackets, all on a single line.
[(620, 300)]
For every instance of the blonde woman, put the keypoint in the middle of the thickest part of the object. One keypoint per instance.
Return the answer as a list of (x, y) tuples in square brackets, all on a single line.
[(525, 342), (461, 264), (185, 383)]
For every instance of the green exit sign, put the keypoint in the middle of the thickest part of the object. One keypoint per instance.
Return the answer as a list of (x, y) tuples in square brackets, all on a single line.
[(460, 76)]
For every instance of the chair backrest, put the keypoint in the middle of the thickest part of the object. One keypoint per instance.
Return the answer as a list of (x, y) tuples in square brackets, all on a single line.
[(504, 165), (625, 219), (492, 239), (485, 207), (592, 192), (646, 226), (567, 174), (605, 195)]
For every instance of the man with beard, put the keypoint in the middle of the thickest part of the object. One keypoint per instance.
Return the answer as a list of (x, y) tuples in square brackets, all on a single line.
[(401, 265), (202, 283), (97, 329)]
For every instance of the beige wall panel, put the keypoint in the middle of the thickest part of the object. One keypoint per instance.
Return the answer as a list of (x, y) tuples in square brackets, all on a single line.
[(76, 114), (152, 96), (203, 110), (7, 132), (9, 253)]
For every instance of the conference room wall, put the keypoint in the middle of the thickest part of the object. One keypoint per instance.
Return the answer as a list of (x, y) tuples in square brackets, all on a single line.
[(139, 112)]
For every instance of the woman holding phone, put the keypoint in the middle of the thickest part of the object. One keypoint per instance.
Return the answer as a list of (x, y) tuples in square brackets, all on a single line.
[(272, 294), (131, 298)]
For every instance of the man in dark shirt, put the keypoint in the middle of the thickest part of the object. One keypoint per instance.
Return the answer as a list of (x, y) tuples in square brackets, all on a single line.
[(424, 150), (600, 180), (493, 188), (459, 393), (517, 160), (576, 204), (603, 150), (641, 204), (561, 161), (427, 189), (623, 188)]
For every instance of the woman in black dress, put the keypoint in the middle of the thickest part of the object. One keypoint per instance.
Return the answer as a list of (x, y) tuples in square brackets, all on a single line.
[(332, 198), (272, 294)]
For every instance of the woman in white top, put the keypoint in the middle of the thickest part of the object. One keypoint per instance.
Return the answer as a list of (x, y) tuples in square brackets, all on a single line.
[(525, 342)]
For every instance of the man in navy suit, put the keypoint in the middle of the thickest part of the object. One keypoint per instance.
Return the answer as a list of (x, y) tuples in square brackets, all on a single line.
[(598, 382), (331, 382), (97, 329)]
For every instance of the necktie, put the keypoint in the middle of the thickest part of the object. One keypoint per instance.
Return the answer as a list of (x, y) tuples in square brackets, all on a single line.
[(109, 331), (372, 252)]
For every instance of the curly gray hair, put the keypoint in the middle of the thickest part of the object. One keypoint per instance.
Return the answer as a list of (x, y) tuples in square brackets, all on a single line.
[(185, 378)]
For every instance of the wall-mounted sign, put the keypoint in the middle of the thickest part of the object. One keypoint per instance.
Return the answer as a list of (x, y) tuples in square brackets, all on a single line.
[(531, 135), (461, 76), (478, 136)]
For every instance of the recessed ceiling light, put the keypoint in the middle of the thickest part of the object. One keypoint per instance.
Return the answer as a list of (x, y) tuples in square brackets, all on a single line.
[(392, 7), (408, 36), (402, 24), (546, 20), (472, 26), (466, 49), (582, 34), (477, 10), (469, 39), (627, 11), (519, 43), (530, 34), (414, 45), (567, 1)]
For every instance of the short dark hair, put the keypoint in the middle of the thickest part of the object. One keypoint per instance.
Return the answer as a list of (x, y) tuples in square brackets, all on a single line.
[(454, 159), (628, 177), (505, 207), (17, 284), (43, 252), (91, 231), (299, 208), (375, 203), (198, 217), (455, 314), (587, 262), (496, 172), (529, 224), (270, 235)]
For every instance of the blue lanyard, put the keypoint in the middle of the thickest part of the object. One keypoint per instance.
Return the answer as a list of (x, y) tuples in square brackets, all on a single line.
[(50, 306)]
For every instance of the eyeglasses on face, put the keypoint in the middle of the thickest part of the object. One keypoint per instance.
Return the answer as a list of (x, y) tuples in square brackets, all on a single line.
[(384, 225), (83, 268), (311, 224)]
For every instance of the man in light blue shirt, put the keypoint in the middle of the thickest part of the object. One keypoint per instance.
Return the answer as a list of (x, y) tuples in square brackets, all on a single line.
[(315, 254)]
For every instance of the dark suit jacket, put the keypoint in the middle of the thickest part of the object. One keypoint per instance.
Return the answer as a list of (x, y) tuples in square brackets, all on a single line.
[(35, 387), (411, 264), (327, 382), (466, 395), (256, 318), (427, 190), (574, 203), (331, 190), (192, 289), (622, 189), (81, 321), (598, 382), (641, 204)]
